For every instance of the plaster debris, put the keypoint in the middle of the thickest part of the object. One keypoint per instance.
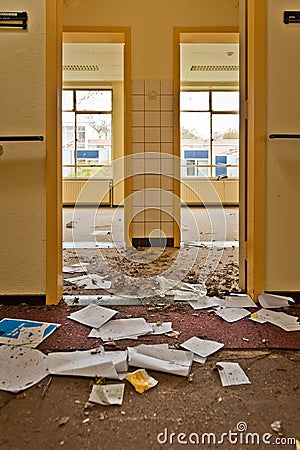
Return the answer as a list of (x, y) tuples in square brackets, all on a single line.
[(76, 268), (201, 347), (232, 314), (122, 329), (274, 301), (93, 315), (141, 380), (100, 233), (232, 374), (21, 368), (91, 281), (176, 362), (108, 394), (28, 333)]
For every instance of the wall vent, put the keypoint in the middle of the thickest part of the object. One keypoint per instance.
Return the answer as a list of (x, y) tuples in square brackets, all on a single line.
[(81, 67), (214, 68)]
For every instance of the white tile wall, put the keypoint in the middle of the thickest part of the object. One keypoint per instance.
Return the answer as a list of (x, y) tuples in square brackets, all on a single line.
[(152, 148)]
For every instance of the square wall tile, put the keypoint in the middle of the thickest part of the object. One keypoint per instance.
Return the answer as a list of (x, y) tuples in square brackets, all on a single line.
[(138, 182), (167, 228), (152, 85), (167, 134), (152, 165), (166, 216), (166, 198), (138, 199), (152, 198), (152, 181), (138, 118), (152, 103), (153, 230), (167, 166), (138, 149), (137, 103), (138, 86), (166, 118), (152, 147), (138, 217), (166, 183), (167, 102), (152, 215), (137, 166), (167, 148), (152, 118), (138, 134), (138, 230), (166, 86), (152, 134)]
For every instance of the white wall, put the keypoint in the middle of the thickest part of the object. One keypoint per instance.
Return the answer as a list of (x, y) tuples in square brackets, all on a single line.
[(22, 166)]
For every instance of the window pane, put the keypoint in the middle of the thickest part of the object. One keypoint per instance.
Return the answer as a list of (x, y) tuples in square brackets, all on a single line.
[(67, 100), (225, 148), (68, 137), (94, 100), (225, 101), (194, 101), (94, 132)]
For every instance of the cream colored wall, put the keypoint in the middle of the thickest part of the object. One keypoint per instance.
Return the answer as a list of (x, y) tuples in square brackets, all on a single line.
[(22, 165), (152, 26), (282, 156)]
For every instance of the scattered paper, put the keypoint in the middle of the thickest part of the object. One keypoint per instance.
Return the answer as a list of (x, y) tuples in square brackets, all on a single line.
[(232, 314), (91, 281), (24, 332), (88, 363), (199, 359), (239, 301), (93, 315), (274, 301), (75, 268), (232, 374), (141, 380), (176, 362), (107, 394), (201, 347), (204, 302), (161, 328), (280, 319), (21, 368), (122, 329)]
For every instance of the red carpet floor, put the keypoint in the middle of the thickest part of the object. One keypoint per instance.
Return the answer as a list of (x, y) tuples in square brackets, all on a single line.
[(244, 334)]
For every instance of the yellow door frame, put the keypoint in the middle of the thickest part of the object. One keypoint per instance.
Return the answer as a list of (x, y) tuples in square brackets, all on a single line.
[(54, 278), (254, 164), (54, 281)]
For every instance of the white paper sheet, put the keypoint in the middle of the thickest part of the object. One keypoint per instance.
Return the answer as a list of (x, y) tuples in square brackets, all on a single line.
[(176, 362), (87, 363), (21, 368), (280, 319), (201, 347), (91, 281), (274, 301), (239, 301), (75, 268), (121, 329), (107, 394), (204, 302), (100, 233), (164, 327), (93, 315), (232, 314), (232, 374)]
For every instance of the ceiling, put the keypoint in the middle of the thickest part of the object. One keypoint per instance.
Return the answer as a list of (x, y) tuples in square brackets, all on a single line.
[(103, 62)]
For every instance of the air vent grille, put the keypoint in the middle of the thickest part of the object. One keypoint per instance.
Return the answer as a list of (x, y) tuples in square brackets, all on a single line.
[(214, 68), (81, 67)]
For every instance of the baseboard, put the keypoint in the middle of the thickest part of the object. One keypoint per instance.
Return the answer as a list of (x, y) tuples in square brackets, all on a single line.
[(18, 299)]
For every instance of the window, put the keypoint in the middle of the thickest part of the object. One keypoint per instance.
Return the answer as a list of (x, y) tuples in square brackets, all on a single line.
[(86, 132), (209, 126)]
